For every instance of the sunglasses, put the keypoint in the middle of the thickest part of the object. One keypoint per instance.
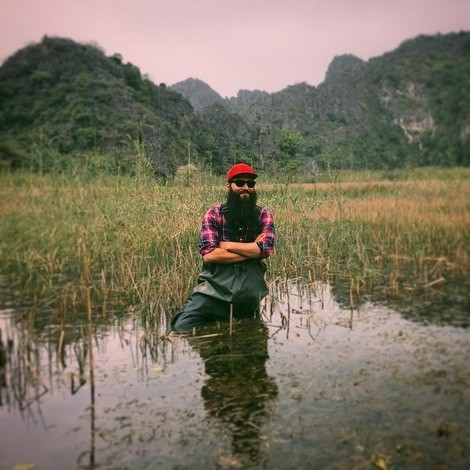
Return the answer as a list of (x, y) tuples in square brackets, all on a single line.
[(241, 183)]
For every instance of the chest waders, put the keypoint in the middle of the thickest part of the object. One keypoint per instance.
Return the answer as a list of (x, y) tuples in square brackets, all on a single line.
[(220, 286)]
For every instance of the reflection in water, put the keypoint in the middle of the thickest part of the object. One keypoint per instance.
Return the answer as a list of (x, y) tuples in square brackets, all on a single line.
[(3, 369), (21, 384), (27, 365), (343, 387), (91, 368), (440, 303), (238, 390)]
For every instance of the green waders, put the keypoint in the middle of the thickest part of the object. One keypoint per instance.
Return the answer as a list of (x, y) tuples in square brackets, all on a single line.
[(219, 286)]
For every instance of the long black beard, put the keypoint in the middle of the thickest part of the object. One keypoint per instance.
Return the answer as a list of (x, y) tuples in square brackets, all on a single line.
[(242, 212)]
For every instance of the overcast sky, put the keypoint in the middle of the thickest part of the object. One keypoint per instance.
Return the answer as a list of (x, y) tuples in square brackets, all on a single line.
[(231, 44)]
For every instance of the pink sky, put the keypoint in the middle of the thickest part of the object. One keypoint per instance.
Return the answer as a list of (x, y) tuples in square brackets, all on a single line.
[(231, 44)]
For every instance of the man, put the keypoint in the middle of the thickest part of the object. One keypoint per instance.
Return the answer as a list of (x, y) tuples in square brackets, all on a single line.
[(236, 237)]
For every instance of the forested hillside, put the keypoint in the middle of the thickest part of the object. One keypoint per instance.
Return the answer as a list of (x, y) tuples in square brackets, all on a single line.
[(63, 103), (60, 98), (408, 107)]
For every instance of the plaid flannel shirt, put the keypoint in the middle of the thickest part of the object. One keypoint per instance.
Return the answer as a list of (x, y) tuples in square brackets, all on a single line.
[(214, 230)]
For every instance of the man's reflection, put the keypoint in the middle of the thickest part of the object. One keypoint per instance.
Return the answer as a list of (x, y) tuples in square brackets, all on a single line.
[(238, 390)]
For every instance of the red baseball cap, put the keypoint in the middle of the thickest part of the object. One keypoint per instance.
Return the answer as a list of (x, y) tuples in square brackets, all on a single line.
[(240, 169)]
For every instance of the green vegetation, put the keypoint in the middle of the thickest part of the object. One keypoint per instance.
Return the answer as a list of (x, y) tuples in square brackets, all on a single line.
[(407, 108), (65, 103), (428, 81), (69, 240), (104, 177)]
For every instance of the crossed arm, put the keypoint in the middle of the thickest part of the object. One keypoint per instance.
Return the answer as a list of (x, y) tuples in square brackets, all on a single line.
[(234, 252), (226, 252)]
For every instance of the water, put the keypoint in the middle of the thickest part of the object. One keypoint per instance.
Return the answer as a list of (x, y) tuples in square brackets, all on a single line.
[(314, 385)]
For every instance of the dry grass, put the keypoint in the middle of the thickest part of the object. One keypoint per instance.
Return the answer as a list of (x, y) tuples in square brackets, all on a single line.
[(132, 240)]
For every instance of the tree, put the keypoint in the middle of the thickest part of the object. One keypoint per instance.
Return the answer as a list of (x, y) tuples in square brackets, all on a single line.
[(289, 143)]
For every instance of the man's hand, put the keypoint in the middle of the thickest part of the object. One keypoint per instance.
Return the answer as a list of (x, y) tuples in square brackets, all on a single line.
[(260, 238), (246, 249), (231, 246), (224, 245), (223, 256)]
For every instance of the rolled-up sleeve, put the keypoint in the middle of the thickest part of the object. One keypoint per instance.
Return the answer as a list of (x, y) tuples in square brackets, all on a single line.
[(267, 227)]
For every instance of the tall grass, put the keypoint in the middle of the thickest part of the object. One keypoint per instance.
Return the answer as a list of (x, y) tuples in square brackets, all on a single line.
[(68, 241), (377, 232)]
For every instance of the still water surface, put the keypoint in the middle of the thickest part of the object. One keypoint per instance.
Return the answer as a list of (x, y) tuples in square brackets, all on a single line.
[(313, 385)]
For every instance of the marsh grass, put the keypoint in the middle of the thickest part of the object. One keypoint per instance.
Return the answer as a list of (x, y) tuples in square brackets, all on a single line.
[(75, 243)]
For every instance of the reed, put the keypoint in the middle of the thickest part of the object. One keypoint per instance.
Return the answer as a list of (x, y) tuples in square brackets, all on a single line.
[(71, 242)]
